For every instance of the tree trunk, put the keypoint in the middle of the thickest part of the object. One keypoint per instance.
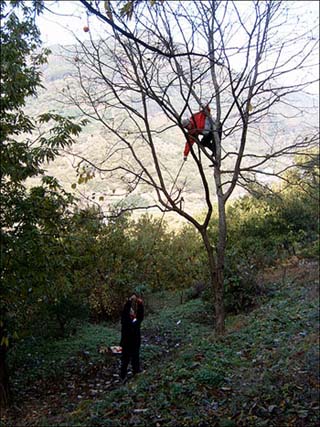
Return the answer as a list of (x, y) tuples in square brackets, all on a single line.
[(221, 247), (219, 302), (216, 276), (4, 376), (221, 250)]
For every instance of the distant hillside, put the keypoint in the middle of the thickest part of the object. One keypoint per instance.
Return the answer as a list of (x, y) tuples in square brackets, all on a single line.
[(93, 141)]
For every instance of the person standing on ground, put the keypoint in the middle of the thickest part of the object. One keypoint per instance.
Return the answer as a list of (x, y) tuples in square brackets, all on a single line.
[(131, 318)]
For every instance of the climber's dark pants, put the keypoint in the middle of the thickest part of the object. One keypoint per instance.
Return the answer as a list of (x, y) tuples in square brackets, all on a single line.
[(208, 141), (127, 356)]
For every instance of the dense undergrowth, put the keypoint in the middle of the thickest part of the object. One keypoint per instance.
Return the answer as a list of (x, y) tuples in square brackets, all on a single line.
[(264, 372)]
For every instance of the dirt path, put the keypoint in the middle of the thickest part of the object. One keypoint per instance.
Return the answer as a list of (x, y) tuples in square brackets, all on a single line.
[(82, 381)]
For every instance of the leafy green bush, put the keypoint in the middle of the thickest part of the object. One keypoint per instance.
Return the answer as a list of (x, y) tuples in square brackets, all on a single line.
[(209, 376), (101, 263), (241, 287), (195, 291)]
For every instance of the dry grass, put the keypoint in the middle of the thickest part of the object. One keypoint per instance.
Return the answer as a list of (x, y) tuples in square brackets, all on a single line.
[(294, 269)]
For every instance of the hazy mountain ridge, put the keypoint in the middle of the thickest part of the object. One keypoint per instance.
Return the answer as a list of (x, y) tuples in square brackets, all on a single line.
[(94, 140)]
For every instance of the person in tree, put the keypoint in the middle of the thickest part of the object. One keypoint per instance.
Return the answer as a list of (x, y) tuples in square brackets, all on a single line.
[(200, 124), (131, 318)]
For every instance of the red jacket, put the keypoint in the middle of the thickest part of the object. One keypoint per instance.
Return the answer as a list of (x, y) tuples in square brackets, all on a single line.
[(195, 128)]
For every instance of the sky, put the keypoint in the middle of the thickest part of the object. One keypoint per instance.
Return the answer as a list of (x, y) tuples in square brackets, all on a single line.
[(69, 16), (60, 27)]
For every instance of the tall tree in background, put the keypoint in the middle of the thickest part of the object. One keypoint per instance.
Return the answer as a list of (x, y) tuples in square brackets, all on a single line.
[(245, 59), (30, 219)]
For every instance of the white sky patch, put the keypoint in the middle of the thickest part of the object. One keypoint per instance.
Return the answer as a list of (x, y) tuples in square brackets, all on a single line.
[(64, 23), (67, 19)]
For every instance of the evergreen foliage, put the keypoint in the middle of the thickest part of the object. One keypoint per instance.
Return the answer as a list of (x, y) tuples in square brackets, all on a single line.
[(31, 220)]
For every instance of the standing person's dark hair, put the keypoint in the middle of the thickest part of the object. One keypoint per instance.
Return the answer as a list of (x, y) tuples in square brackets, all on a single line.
[(131, 318)]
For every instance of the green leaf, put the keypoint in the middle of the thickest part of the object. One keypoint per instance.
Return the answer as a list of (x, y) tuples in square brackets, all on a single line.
[(5, 341), (127, 10)]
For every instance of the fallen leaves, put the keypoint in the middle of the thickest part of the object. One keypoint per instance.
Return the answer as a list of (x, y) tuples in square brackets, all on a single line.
[(264, 373)]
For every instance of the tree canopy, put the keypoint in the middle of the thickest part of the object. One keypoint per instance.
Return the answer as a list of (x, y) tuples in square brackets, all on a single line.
[(31, 219)]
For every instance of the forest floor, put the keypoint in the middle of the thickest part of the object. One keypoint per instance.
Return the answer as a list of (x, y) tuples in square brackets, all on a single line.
[(263, 372)]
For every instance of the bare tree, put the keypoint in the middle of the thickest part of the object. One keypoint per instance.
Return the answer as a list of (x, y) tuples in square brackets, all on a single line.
[(248, 60)]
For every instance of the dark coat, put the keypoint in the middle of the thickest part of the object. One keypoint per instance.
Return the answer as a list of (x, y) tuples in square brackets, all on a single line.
[(130, 330)]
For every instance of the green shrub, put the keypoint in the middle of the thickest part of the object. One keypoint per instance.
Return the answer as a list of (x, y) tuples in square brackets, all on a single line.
[(195, 291), (208, 376)]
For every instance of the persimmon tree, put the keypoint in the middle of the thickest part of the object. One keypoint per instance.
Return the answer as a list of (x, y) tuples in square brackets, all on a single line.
[(248, 60)]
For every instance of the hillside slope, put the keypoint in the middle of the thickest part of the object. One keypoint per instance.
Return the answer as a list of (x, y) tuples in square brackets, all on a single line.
[(264, 372), (295, 116)]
